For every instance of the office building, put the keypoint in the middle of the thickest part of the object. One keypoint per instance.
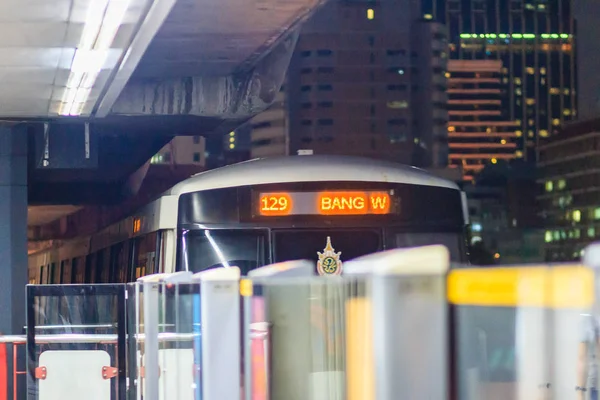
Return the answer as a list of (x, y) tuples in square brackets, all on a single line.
[(588, 58), (182, 150), (480, 130), (366, 79), (269, 134), (535, 40), (569, 190)]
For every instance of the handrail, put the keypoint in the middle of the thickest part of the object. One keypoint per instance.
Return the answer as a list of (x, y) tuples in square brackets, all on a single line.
[(94, 338)]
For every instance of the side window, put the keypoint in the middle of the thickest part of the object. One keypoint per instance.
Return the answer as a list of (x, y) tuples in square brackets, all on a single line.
[(90, 268), (66, 271), (119, 262), (144, 255), (78, 267)]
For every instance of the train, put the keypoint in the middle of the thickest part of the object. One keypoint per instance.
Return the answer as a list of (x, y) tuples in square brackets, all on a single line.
[(318, 207)]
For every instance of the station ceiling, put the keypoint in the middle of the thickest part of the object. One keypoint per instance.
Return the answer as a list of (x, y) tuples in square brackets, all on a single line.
[(94, 62), (75, 57)]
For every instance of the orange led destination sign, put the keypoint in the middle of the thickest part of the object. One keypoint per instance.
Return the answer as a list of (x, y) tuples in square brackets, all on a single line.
[(324, 203)]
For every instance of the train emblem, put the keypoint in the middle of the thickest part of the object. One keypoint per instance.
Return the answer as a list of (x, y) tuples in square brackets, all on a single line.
[(329, 261)]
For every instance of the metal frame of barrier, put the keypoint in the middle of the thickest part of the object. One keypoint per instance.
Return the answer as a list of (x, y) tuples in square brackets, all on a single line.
[(257, 349), (220, 317), (401, 293), (36, 372)]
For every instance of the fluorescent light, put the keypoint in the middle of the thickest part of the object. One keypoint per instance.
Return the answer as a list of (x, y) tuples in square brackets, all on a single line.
[(112, 21), (102, 23), (88, 61)]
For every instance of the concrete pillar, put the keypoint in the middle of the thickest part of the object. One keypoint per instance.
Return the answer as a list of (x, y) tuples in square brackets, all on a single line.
[(13, 228)]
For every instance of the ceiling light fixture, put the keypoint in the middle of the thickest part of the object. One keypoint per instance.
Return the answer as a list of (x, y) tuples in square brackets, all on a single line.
[(104, 17)]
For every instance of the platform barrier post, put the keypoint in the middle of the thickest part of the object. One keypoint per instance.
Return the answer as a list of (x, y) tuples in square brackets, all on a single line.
[(220, 339), (588, 369), (277, 344), (403, 296), (500, 342), (571, 300)]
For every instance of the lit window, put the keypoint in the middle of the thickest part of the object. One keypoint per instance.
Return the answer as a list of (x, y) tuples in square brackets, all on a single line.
[(497, 256), (428, 16), (567, 112), (488, 130), (519, 133), (397, 104), (597, 213), (517, 81), (530, 70), (576, 215), (447, 74), (543, 133), (566, 91), (451, 129), (518, 153), (591, 232), (518, 91), (494, 161), (548, 236), (503, 141), (543, 70), (530, 102), (370, 13), (543, 81), (476, 227), (549, 186), (530, 134), (562, 184), (556, 122), (554, 90)]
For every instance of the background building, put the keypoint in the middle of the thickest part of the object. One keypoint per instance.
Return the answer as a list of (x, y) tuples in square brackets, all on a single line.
[(569, 190), (588, 58), (182, 150), (535, 39), (366, 79), (269, 134), (480, 130)]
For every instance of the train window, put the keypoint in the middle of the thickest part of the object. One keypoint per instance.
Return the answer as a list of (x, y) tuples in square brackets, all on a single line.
[(206, 249), (119, 262), (79, 269), (66, 271), (145, 255), (104, 265), (53, 274), (304, 244)]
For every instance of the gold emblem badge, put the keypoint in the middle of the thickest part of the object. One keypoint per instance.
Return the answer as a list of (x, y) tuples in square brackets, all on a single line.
[(329, 261)]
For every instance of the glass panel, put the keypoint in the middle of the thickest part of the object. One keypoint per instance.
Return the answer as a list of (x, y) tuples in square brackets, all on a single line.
[(245, 249), (449, 239), (63, 321)]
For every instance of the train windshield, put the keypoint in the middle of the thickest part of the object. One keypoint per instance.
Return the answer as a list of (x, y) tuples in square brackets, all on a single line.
[(250, 248), (207, 249)]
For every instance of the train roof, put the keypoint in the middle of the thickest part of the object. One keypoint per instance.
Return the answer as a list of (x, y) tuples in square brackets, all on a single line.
[(308, 169)]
